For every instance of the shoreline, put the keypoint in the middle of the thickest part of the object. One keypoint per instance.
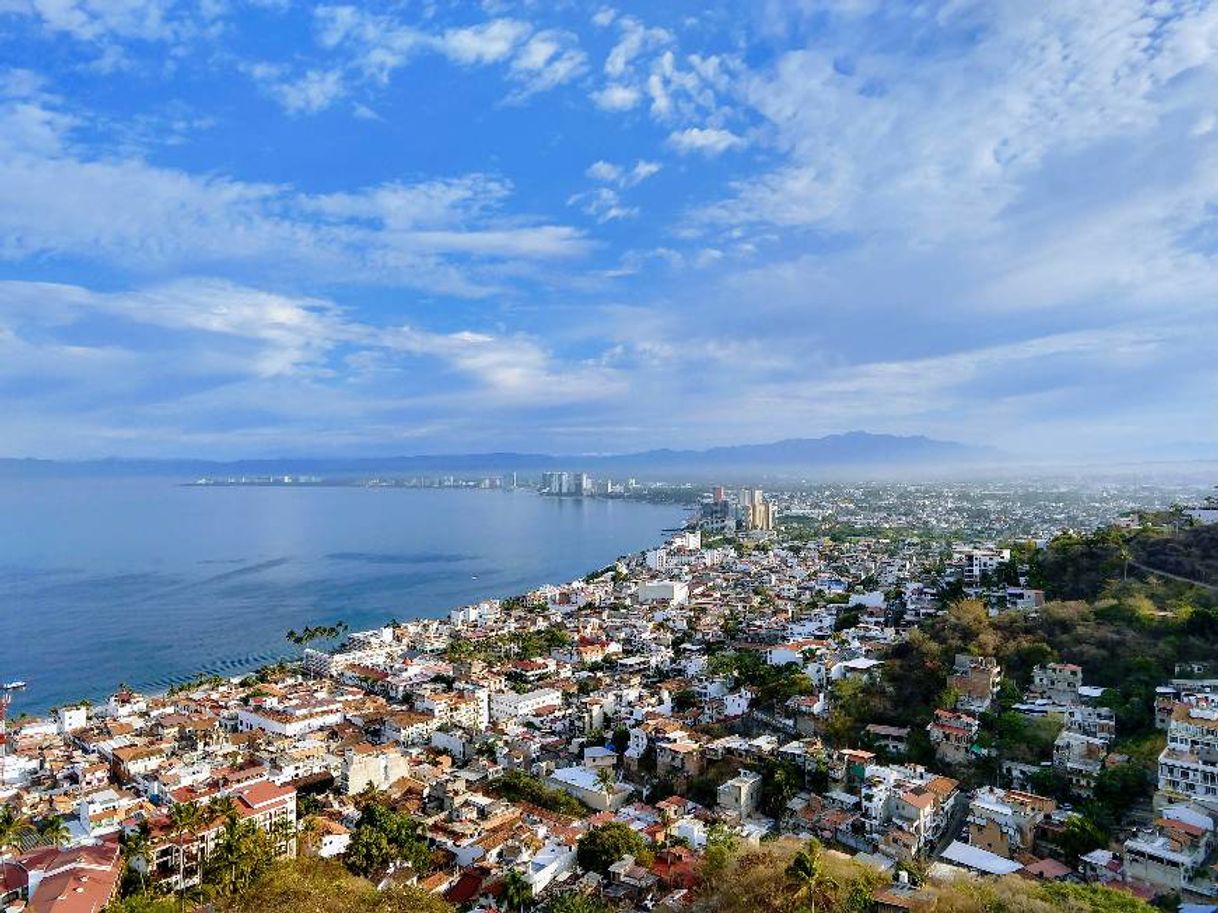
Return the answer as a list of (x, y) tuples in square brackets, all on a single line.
[(158, 689)]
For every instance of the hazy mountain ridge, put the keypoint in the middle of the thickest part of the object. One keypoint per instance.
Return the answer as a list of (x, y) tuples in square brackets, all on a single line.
[(856, 448)]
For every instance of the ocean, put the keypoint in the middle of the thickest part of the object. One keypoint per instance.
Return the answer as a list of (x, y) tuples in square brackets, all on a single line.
[(149, 582)]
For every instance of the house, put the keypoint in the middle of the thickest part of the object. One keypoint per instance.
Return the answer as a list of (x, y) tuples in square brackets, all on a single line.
[(680, 757), (1172, 851), (952, 735), (367, 766), (975, 680), (1080, 758), (1004, 821), (509, 705), (739, 796), (290, 719), (1059, 682), (892, 739), (332, 838), (978, 860), (674, 592), (409, 728)]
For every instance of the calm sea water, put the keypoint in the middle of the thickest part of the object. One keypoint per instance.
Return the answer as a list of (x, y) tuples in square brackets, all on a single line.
[(149, 582)]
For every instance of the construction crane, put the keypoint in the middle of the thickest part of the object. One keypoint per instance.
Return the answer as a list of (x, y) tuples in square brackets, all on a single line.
[(7, 690)]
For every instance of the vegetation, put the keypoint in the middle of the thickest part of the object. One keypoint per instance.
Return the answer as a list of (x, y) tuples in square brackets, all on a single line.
[(242, 854), (571, 902), (518, 644), (518, 786), (383, 837), (606, 843), (320, 886), (320, 632), (787, 877), (769, 684), (14, 829), (199, 681)]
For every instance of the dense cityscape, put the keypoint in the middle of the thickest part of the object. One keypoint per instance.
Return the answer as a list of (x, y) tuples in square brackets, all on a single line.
[(782, 668)]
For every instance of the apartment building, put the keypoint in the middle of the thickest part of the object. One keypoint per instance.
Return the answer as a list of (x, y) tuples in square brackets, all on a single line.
[(1004, 821), (1188, 766)]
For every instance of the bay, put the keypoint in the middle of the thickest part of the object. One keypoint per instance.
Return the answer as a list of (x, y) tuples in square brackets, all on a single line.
[(149, 582)]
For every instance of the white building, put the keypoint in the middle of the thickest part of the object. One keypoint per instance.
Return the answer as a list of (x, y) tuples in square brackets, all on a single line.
[(1188, 766), (290, 719), (508, 705), (675, 592), (584, 784)]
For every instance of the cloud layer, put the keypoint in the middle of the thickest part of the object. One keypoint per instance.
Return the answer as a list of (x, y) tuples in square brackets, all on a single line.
[(509, 225)]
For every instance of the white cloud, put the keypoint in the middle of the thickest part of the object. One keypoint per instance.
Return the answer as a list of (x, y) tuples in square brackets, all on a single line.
[(488, 42), (443, 234), (256, 364), (366, 46), (616, 97), (548, 59), (96, 20), (604, 204), (634, 39), (315, 91), (710, 141), (608, 173)]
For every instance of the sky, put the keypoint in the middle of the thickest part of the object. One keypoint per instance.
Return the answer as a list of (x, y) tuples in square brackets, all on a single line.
[(241, 228)]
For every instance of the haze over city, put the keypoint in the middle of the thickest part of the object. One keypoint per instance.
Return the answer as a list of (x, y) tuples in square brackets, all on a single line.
[(240, 230)]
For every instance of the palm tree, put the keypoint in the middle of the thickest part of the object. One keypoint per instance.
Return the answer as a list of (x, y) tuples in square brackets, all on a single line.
[(137, 854), (517, 892), (55, 831), (806, 874), (282, 833), (604, 776), (14, 829), (184, 818), (308, 832), (222, 807)]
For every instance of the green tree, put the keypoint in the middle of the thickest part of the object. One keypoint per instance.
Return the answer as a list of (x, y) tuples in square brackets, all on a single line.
[(806, 875), (141, 903), (1118, 788), (137, 856), (55, 831), (324, 886), (14, 829), (221, 807), (570, 902), (606, 780), (517, 892), (383, 836), (606, 843), (1079, 836), (242, 853), (184, 819), (721, 845)]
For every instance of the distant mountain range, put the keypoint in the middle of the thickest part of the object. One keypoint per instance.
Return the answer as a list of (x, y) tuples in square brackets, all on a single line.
[(856, 449)]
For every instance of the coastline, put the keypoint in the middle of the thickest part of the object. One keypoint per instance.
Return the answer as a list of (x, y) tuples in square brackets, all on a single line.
[(236, 663)]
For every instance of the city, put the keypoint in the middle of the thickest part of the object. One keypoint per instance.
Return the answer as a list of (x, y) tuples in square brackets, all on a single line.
[(617, 738)]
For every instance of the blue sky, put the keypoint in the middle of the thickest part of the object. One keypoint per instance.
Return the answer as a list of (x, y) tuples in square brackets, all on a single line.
[(271, 228)]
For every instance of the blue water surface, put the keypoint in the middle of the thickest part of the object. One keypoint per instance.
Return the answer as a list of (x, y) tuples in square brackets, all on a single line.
[(149, 582)]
